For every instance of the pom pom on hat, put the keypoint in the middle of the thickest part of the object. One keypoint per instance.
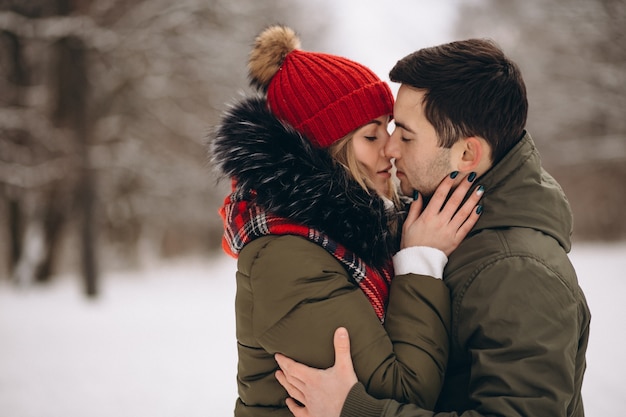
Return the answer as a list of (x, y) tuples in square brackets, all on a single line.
[(269, 51), (322, 96)]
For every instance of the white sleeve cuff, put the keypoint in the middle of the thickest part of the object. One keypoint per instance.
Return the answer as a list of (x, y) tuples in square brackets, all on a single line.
[(421, 260)]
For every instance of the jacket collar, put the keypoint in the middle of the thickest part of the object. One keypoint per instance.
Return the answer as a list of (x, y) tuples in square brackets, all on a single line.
[(293, 179), (520, 193)]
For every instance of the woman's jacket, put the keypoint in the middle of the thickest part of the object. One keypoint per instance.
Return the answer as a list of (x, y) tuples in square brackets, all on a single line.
[(292, 293)]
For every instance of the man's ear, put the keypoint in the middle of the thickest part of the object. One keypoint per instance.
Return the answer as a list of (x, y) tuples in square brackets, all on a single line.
[(473, 154)]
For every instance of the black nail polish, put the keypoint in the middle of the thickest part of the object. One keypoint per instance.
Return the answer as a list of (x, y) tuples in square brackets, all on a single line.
[(416, 194), (453, 174), (472, 177), (479, 209)]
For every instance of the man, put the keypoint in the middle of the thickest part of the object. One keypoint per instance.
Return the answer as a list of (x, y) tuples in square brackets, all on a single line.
[(520, 322)]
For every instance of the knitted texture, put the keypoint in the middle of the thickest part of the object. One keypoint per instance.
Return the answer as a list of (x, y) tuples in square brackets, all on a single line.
[(325, 97)]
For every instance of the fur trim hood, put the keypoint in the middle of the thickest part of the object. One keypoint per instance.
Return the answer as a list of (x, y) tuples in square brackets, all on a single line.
[(295, 180)]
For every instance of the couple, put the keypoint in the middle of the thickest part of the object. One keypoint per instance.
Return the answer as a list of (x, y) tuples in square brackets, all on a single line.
[(320, 231)]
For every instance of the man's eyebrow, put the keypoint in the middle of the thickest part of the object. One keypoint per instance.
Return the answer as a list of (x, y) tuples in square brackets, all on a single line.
[(403, 126)]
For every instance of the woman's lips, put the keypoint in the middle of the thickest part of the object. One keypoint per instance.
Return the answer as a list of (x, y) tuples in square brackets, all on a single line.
[(385, 172)]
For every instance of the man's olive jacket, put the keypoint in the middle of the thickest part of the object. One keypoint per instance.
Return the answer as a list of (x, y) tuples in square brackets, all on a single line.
[(520, 321)]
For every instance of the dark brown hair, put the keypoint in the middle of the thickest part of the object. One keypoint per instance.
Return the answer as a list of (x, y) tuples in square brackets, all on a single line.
[(472, 89)]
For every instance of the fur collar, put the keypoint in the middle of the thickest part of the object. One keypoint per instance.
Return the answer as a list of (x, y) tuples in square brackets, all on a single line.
[(296, 180)]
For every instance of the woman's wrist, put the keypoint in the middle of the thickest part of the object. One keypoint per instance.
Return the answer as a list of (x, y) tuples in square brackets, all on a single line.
[(421, 260)]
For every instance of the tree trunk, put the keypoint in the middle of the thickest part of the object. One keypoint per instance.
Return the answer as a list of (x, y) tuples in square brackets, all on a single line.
[(15, 233), (70, 111)]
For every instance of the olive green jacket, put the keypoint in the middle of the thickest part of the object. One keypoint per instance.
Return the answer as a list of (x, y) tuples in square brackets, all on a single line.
[(520, 322), (292, 295)]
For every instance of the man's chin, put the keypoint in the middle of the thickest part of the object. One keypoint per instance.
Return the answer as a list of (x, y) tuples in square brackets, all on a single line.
[(408, 192)]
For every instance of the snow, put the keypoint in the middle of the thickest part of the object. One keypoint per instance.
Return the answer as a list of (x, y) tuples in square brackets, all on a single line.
[(160, 342)]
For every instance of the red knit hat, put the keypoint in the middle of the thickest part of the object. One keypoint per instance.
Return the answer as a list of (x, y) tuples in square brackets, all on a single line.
[(322, 96)]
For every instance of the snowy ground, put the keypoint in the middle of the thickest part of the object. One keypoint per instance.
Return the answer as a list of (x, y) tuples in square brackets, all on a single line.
[(160, 342)]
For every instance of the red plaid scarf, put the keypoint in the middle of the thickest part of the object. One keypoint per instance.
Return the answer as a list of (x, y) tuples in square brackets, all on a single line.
[(244, 221)]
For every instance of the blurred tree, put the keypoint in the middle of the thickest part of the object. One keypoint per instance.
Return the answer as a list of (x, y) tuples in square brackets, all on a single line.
[(573, 57), (104, 113)]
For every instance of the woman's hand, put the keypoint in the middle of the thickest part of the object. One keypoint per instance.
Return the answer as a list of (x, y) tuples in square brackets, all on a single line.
[(443, 224)]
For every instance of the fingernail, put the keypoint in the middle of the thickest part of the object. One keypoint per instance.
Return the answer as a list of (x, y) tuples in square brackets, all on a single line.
[(416, 194), (453, 174), (479, 209), (480, 190), (472, 177)]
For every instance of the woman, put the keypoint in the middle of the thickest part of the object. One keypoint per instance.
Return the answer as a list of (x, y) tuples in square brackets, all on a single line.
[(313, 221)]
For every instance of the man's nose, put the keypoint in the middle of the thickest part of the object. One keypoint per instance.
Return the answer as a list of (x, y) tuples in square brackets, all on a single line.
[(392, 148)]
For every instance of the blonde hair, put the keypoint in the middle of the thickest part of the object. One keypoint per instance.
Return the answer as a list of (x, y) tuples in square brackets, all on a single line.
[(344, 155)]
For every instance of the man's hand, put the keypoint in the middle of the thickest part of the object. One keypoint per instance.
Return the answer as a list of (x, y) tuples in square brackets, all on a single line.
[(321, 392), (444, 223)]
